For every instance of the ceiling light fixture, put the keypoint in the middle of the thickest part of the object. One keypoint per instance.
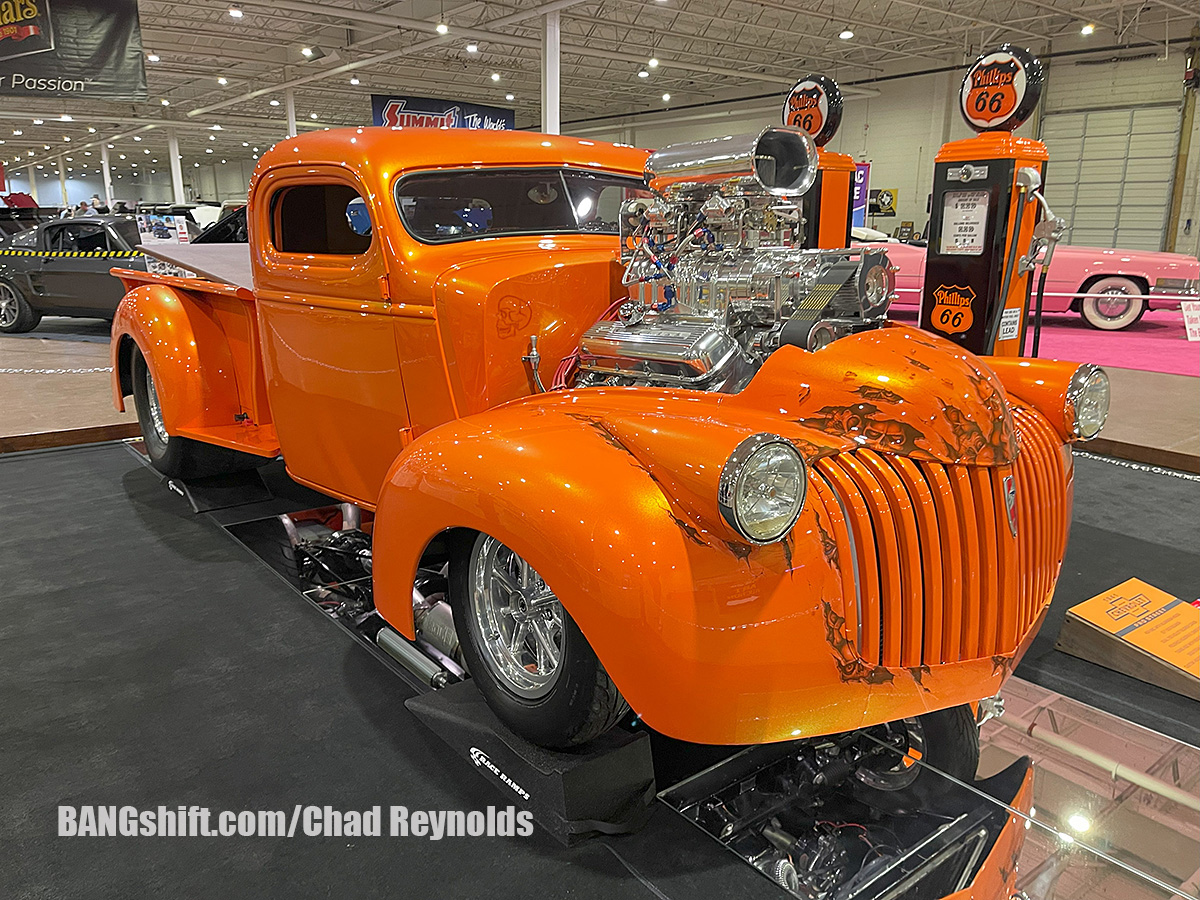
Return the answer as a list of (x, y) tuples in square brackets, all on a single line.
[(222, 81), (216, 128), (442, 28), (152, 57), (165, 102), (235, 11), (846, 34), (1087, 29), (17, 132), (306, 52), (137, 137), (312, 115), (472, 48), (65, 118), (208, 149), (274, 103), (212, 137), (666, 98), (354, 80), (510, 96), (643, 74), (91, 130), (495, 76), (37, 121), (653, 62)]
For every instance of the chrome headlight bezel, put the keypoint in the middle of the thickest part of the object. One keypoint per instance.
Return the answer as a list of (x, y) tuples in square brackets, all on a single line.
[(1089, 385), (740, 465)]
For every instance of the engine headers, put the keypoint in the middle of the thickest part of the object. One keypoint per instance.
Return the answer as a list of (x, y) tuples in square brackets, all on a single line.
[(716, 280)]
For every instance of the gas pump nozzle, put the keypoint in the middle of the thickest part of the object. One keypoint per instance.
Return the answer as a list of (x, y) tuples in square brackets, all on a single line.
[(1046, 235)]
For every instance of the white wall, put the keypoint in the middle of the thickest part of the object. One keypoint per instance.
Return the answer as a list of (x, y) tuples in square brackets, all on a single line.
[(210, 182), (901, 128)]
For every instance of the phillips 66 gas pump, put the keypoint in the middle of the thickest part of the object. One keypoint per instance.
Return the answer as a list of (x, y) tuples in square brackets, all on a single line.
[(984, 232), (815, 106)]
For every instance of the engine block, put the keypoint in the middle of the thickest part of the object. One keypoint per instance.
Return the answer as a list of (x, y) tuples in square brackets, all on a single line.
[(715, 277)]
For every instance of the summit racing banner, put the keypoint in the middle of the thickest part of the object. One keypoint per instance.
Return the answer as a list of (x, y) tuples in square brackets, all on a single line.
[(426, 112), (71, 48)]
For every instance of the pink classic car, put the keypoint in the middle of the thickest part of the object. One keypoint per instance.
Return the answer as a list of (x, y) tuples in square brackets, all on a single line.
[(1111, 289)]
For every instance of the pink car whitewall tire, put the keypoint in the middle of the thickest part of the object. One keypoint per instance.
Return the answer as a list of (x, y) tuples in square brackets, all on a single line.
[(1121, 303)]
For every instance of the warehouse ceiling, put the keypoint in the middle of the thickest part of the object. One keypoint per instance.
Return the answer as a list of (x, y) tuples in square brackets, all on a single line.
[(219, 71)]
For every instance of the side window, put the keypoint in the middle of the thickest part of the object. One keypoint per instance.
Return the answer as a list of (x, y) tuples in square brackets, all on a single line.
[(89, 238), (320, 218)]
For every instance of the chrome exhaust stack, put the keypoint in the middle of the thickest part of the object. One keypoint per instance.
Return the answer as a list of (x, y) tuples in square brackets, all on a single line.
[(778, 161)]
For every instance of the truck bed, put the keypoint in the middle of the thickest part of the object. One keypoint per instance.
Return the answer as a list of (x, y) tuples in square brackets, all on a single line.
[(227, 263)]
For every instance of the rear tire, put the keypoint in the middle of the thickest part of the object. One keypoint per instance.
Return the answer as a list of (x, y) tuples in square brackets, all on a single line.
[(552, 690), (174, 456), (946, 741), (16, 315), (1123, 304)]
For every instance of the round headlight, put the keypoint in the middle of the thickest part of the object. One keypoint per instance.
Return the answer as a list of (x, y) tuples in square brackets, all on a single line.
[(762, 488), (1087, 401)]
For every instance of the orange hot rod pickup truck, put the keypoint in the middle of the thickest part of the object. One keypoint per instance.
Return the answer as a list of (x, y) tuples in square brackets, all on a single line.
[(664, 460)]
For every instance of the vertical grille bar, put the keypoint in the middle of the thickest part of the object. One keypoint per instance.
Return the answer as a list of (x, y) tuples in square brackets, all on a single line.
[(867, 559), (972, 601), (954, 578), (908, 610), (989, 561), (843, 538), (887, 549), (931, 550)]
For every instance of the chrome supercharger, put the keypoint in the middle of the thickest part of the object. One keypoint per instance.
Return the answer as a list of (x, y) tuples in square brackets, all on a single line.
[(715, 273)]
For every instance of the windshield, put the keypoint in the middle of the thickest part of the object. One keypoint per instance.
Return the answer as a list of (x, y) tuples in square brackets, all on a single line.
[(127, 230), (439, 207)]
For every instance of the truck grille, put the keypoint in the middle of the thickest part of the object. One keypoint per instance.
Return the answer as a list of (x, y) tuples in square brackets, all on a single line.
[(935, 574)]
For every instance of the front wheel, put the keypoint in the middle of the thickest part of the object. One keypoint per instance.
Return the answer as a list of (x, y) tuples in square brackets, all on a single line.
[(1113, 303), (526, 654), (16, 315), (926, 746), (174, 456)]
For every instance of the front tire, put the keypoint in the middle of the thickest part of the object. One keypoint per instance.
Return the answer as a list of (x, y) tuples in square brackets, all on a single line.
[(526, 654), (1121, 304), (16, 315), (174, 456), (946, 741)]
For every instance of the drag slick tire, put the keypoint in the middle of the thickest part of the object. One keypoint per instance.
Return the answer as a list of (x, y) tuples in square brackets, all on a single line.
[(1123, 303), (946, 741), (526, 654), (16, 315), (174, 456)]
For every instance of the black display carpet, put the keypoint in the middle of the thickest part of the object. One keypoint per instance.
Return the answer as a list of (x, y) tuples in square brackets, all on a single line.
[(147, 659), (1129, 522)]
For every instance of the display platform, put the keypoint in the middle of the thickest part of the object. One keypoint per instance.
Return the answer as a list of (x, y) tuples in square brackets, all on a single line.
[(153, 660)]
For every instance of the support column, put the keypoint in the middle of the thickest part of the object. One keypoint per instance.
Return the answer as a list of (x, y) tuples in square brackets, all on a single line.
[(106, 174), (176, 166), (289, 98), (62, 182), (551, 73), (33, 191)]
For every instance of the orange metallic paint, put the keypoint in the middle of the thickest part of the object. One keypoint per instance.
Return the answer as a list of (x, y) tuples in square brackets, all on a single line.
[(395, 380), (711, 639), (997, 876)]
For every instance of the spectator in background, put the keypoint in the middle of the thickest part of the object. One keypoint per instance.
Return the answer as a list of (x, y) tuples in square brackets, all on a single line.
[(98, 205), (82, 210)]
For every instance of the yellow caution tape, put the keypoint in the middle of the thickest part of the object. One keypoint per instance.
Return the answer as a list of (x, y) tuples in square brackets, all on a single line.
[(107, 254)]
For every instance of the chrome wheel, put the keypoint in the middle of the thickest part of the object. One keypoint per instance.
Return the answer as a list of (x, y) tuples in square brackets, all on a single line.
[(156, 416), (1113, 303), (896, 771), (518, 618), (9, 306)]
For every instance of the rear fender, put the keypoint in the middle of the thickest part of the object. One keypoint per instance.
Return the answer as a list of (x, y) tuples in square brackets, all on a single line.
[(187, 353), (709, 639)]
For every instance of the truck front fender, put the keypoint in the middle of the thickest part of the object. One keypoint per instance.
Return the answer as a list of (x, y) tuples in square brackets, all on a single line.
[(186, 351), (709, 639)]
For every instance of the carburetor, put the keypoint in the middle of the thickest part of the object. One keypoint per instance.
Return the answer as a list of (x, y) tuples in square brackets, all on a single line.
[(715, 279)]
